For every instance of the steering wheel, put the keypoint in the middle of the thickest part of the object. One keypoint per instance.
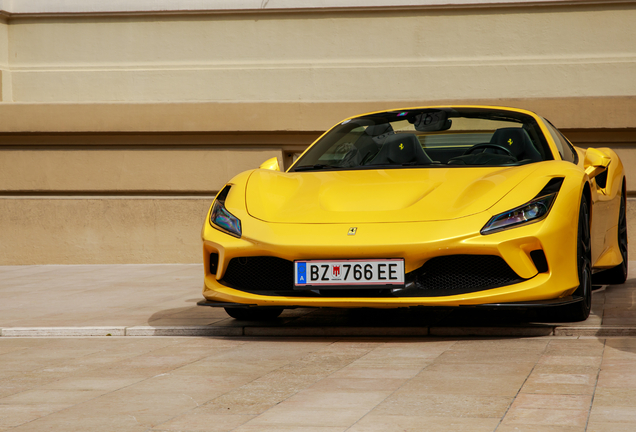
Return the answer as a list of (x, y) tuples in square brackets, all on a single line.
[(368, 157), (489, 145)]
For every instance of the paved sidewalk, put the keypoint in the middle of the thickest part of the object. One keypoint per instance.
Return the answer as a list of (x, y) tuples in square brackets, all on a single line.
[(220, 384), (335, 383), (146, 300)]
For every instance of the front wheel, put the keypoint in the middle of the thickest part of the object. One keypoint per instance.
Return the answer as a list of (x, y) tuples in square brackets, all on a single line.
[(617, 275), (254, 313), (581, 311)]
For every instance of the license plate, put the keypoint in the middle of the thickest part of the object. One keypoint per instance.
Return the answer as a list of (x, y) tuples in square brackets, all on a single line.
[(350, 273)]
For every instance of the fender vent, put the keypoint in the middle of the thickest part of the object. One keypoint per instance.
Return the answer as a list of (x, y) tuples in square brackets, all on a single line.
[(539, 260), (214, 262)]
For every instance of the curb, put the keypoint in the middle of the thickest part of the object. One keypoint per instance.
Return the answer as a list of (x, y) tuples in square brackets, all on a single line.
[(613, 331), (62, 331), (493, 331), (338, 331), (259, 331), (184, 331)]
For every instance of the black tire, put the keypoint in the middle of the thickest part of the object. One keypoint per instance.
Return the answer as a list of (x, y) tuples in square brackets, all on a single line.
[(617, 275), (254, 313), (581, 311)]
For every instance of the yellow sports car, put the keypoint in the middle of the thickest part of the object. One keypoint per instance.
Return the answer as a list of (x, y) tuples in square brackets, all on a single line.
[(430, 206)]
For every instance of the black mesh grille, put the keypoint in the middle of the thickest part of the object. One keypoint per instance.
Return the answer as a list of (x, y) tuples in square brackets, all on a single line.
[(440, 276), (260, 273), (458, 274)]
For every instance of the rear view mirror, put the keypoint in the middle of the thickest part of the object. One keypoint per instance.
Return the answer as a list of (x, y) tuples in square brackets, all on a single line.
[(271, 164), (595, 162), (432, 121)]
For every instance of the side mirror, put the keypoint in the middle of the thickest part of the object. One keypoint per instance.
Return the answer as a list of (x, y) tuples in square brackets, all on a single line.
[(271, 164), (595, 162)]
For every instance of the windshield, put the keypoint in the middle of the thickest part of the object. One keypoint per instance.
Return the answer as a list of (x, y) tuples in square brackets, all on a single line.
[(429, 137)]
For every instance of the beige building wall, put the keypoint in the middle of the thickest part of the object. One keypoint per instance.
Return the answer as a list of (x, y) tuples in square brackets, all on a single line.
[(368, 55), (5, 76), (120, 120)]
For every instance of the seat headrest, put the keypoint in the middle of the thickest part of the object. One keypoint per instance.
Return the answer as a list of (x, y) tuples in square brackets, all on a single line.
[(378, 129), (403, 148), (514, 139)]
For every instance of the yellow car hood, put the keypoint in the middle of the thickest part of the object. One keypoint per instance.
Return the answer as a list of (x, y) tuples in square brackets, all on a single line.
[(391, 195)]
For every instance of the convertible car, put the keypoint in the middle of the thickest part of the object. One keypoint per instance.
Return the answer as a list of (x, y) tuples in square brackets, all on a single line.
[(431, 206)]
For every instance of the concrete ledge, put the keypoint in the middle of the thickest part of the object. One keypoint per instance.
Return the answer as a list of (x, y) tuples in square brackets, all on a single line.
[(321, 331), (47, 7), (610, 112), (99, 230)]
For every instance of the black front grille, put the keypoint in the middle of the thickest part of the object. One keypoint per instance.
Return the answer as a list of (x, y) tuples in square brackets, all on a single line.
[(260, 273), (460, 274), (439, 276)]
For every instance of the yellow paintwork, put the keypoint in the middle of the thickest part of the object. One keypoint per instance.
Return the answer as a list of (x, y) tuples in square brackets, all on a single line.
[(605, 251), (271, 164), (402, 195), (595, 162), (394, 216)]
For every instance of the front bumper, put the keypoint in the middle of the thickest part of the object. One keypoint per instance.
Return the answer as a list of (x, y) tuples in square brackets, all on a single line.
[(569, 300), (417, 243)]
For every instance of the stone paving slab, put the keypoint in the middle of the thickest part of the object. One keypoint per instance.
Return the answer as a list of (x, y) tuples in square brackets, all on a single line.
[(317, 384), (160, 300)]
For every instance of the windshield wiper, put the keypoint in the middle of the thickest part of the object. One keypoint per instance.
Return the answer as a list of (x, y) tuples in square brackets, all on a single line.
[(311, 167), (416, 163), (407, 164)]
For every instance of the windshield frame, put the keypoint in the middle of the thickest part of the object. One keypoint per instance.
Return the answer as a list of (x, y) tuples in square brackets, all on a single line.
[(308, 161)]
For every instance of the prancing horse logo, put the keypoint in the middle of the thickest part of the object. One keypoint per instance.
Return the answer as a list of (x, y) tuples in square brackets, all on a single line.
[(352, 231), (510, 141)]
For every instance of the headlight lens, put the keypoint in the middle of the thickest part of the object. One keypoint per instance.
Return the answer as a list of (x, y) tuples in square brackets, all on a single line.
[(533, 211), (222, 219)]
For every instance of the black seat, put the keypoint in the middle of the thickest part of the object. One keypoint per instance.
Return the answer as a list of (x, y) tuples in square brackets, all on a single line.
[(517, 141), (401, 148), (379, 130)]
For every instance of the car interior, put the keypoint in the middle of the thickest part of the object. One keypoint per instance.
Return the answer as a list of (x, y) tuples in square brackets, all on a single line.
[(429, 137)]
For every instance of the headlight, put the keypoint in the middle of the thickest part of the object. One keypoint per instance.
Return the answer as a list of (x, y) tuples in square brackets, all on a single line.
[(222, 219), (533, 211)]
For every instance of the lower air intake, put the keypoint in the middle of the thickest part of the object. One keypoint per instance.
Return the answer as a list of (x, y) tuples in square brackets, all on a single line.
[(440, 276), (458, 274), (260, 273)]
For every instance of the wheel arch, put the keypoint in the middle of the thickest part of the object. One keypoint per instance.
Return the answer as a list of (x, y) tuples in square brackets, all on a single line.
[(587, 193)]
